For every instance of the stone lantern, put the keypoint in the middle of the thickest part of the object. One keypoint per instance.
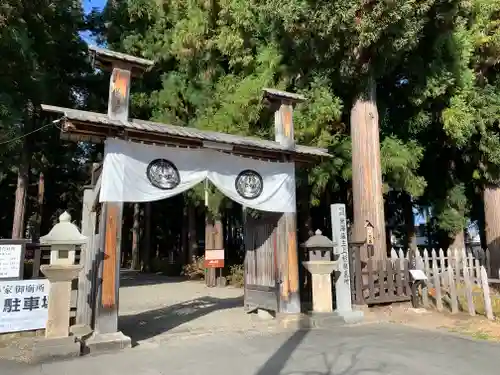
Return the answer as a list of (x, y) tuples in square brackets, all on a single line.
[(62, 239), (320, 266)]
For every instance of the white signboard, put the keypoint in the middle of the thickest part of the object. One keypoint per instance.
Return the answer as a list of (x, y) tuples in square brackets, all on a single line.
[(23, 305), (10, 261), (418, 275)]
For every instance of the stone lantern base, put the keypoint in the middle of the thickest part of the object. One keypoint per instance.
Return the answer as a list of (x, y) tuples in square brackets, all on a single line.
[(321, 284)]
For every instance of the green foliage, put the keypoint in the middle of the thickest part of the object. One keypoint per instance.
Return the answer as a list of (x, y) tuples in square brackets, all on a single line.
[(435, 63), (400, 163), (236, 276), (43, 61), (451, 211), (195, 270)]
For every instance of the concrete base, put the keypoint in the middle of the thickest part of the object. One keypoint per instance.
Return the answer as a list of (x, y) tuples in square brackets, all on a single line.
[(36, 350), (104, 342), (351, 317), (56, 348), (318, 320)]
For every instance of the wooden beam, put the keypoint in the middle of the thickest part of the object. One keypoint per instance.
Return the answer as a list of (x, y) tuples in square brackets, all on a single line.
[(97, 133)]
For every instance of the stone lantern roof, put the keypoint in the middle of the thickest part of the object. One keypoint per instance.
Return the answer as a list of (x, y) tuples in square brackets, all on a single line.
[(318, 241), (64, 233)]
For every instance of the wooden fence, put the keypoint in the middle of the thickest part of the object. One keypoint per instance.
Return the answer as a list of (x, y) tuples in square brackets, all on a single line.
[(375, 282), (457, 280)]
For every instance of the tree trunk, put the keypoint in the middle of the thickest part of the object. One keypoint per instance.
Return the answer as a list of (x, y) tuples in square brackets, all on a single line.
[(135, 264), (192, 237), (21, 192), (368, 201), (146, 251), (184, 253), (458, 241), (305, 230), (40, 201), (492, 225), (411, 237), (218, 241), (209, 245)]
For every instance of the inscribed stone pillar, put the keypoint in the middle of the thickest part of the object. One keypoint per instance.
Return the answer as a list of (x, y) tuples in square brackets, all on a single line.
[(343, 298)]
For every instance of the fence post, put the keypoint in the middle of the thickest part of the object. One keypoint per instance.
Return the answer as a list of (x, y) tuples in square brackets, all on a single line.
[(453, 290), (442, 268), (486, 294), (477, 270), (437, 282), (468, 290), (425, 290)]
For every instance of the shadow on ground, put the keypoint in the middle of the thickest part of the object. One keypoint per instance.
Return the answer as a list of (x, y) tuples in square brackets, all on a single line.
[(343, 361), (155, 322), (135, 278)]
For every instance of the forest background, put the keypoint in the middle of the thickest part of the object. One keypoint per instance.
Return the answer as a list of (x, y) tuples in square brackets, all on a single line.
[(434, 64)]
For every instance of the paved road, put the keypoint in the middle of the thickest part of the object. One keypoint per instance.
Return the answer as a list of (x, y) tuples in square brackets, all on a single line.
[(361, 350)]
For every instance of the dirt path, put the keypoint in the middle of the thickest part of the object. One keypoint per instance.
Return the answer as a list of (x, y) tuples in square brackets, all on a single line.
[(477, 327)]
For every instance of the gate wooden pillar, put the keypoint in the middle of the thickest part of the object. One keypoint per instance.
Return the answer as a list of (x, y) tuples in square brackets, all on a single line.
[(287, 251), (122, 68), (85, 302)]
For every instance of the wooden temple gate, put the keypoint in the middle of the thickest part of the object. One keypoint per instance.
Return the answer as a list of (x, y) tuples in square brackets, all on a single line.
[(271, 265), (261, 261)]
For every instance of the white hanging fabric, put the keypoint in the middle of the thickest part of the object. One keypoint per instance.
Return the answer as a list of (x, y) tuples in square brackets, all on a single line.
[(257, 184), (135, 172)]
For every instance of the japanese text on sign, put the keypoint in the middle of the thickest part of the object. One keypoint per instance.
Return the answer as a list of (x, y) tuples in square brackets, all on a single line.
[(214, 258), (23, 305), (344, 248), (10, 261)]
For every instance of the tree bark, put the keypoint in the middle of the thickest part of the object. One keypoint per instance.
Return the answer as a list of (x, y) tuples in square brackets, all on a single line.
[(305, 230), (368, 201), (411, 238), (21, 192), (192, 238), (458, 241), (135, 264), (218, 241), (184, 243), (146, 251), (209, 245), (40, 201), (492, 225)]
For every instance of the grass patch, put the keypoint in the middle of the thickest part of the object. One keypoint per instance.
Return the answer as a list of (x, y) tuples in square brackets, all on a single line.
[(478, 300)]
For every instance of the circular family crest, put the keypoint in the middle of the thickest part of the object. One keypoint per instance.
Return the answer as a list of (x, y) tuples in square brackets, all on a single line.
[(249, 184), (163, 174)]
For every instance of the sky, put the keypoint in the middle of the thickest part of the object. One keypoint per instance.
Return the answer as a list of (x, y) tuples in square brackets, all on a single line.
[(88, 5)]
